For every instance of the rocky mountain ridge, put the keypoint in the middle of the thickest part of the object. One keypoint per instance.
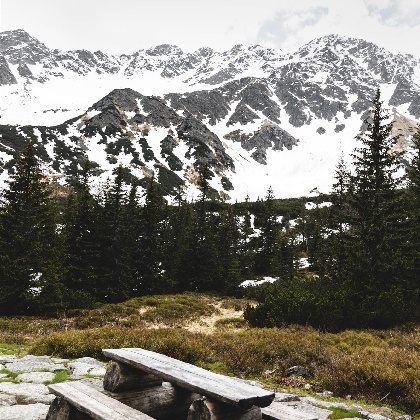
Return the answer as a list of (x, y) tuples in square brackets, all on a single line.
[(253, 116)]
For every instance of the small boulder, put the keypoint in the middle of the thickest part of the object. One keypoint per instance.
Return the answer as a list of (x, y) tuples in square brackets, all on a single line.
[(24, 412), (6, 400), (297, 370), (32, 364), (87, 366), (36, 377)]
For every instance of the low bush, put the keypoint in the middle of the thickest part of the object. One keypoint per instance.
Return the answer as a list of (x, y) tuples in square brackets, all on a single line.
[(377, 365)]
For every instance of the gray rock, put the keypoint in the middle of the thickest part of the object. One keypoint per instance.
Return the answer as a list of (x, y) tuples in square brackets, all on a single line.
[(3, 375), (24, 412), (325, 404), (297, 370), (36, 377), (306, 407), (325, 394), (32, 393), (6, 76), (58, 360), (377, 417), (7, 400), (406, 417), (284, 397), (7, 359), (34, 363), (87, 366)]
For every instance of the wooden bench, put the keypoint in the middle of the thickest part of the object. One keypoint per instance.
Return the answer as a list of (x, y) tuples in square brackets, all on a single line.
[(141, 385), (77, 401), (212, 385), (223, 397)]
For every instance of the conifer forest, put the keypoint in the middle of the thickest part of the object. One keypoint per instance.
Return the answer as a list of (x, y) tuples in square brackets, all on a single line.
[(349, 258)]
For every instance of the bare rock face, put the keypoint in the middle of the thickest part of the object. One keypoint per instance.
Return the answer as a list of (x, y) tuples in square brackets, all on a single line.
[(6, 76), (268, 136), (252, 95)]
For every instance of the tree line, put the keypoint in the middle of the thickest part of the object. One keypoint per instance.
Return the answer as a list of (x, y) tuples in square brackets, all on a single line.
[(78, 249)]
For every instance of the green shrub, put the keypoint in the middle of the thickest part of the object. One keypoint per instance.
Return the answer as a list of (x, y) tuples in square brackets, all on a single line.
[(342, 413)]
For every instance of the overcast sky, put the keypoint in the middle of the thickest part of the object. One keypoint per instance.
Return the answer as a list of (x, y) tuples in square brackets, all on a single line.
[(125, 26)]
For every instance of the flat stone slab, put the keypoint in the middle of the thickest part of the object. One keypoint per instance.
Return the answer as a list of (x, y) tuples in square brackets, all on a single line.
[(33, 393), (87, 366), (7, 358), (6, 400), (307, 408), (34, 363), (285, 397), (377, 417), (24, 412), (36, 377)]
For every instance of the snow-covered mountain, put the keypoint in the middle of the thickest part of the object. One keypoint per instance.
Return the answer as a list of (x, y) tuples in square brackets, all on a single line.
[(253, 116)]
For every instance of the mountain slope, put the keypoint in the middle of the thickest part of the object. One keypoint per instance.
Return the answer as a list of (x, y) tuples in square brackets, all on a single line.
[(253, 116)]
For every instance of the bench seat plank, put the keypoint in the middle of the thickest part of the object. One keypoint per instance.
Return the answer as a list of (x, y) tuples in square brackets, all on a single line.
[(193, 378), (94, 403)]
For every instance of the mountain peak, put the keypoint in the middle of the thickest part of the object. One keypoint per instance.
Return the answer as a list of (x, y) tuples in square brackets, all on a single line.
[(17, 37), (164, 49)]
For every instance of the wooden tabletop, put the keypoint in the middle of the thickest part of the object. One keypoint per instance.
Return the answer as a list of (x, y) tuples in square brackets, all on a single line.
[(209, 384)]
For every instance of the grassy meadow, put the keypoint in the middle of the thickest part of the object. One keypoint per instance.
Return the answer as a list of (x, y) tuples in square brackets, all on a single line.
[(379, 367)]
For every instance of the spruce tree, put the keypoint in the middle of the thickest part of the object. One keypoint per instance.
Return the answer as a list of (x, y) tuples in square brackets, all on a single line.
[(113, 267), (228, 233), (150, 241), (28, 240), (80, 243), (377, 238), (246, 248), (337, 239), (413, 210), (267, 239)]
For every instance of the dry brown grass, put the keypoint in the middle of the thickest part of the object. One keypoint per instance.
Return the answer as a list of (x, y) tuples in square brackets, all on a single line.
[(379, 366)]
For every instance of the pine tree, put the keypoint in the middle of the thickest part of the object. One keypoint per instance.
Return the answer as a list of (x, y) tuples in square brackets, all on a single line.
[(150, 241), (377, 238), (413, 206), (336, 241), (130, 234), (80, 239), (113, 267), (28, 240), (246, 249), (228, 233), (179, 245), (267, 239)]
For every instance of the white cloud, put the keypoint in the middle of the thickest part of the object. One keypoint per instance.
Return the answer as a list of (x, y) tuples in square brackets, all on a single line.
[(129, 25)]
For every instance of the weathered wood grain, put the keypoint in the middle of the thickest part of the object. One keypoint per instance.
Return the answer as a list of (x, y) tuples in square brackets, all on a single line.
[(281, 411), (205, 409), (166, 402), (60, 409), (193, 378), (92, 402), (121, 377)]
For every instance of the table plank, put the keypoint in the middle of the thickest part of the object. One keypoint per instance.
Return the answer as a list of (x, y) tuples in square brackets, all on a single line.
[(212, 385)]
